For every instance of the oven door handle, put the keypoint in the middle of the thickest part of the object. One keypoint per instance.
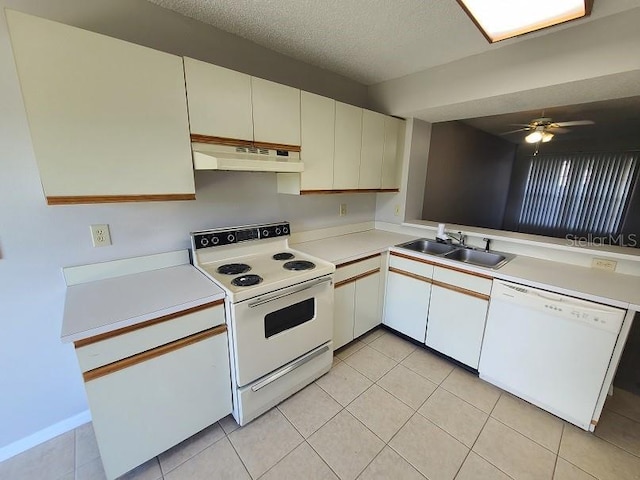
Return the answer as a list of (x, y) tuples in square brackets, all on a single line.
[(263, 300), (280, 373)]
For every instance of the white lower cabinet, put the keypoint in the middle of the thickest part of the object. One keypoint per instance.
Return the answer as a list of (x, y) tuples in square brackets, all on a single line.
[(357, 306), (407, 296), (456, 324), (144, 404), (344, 306)]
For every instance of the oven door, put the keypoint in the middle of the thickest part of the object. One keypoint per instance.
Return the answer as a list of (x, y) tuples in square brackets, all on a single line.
[(274, 329)]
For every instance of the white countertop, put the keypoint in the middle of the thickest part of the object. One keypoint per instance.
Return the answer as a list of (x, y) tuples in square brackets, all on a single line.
[(344, 248), (596, 285), (104, 305)]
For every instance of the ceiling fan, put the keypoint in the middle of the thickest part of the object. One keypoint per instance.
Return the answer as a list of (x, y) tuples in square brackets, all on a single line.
[(543, 129)]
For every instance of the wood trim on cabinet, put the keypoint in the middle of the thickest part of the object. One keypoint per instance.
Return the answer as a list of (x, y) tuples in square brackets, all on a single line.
[(81, 199), (464, 291), (410, 275), (355, 278), (154, 352), (121, 331), (415, 259), (436, 264), (351, 190), (237, 142), (462, 270), (346, 264)]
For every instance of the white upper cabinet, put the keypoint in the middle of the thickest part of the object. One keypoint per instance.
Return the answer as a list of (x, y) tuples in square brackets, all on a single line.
[(276, 113), (318, 137), (219, 101), (346, 164), (108, 118), (373, 137), (393, 151)]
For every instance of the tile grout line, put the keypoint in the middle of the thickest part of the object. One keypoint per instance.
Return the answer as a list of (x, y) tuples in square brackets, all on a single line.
[(555, 465), (238, 453), (476, 441)]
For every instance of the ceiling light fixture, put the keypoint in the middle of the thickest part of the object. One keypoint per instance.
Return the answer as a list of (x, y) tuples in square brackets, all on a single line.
[(502, 19), (535, 136), (546, 137)]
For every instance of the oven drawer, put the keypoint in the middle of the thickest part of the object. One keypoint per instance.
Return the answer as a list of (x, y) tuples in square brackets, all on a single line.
[(274, 329), (260, 396)]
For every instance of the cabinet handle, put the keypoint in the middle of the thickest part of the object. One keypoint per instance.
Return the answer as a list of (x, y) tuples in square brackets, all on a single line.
[(464, 291), (357, 277), (149, 354), (410, 275)]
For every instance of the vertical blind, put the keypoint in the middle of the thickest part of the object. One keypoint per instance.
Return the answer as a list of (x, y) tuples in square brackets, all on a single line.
[(578, 193)]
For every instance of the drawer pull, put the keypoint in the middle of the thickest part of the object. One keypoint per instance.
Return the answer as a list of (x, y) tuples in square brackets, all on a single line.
[(357, 277), (464, 291), (410, 275), (154, 352)]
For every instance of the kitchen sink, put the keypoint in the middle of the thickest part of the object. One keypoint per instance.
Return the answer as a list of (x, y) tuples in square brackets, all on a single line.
[(429, 246), (477, 257), (482, 258)]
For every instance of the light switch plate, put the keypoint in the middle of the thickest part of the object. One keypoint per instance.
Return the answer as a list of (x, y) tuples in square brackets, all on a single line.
[(604, 264)]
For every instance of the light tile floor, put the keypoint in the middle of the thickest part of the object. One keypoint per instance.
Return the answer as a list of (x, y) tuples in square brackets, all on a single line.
[(386, 410)]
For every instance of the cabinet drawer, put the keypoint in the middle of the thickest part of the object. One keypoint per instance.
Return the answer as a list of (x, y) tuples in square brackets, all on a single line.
[(412, 266), (113, 346), (353, 269), (144, 409), (467, 281)]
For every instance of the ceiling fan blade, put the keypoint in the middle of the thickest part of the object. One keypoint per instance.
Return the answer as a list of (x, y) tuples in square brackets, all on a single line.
[(555, 130), (521, 124), (574, 123), (515, 131)]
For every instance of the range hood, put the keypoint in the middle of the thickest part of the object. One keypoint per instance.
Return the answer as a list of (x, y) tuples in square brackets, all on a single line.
[(207, 156)]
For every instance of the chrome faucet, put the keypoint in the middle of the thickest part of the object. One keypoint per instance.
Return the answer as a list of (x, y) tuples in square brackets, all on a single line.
[(461, 239)]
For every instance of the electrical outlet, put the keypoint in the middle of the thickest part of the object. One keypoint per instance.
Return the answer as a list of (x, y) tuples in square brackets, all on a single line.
[(343, 209), (100, 235), (397, 211), (604, 264)]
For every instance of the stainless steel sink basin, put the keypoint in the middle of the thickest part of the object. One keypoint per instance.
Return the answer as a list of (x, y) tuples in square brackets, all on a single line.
[(478, 257), (481, 258), (429, 246)]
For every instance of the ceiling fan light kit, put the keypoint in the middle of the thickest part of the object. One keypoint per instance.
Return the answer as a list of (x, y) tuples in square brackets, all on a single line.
[(502, 19)]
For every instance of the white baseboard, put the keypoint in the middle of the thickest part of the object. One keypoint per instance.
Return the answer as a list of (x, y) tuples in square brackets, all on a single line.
[(43, 435)]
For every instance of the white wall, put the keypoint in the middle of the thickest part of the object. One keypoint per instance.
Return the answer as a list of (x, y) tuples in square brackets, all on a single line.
[(40, 382)]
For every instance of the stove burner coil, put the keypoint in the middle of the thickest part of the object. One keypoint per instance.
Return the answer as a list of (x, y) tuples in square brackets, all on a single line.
[(233, 268), (283, 256), (246, 280), (299, 265)]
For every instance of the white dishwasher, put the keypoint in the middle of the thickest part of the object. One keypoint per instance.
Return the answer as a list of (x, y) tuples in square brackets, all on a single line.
[(549, 349)]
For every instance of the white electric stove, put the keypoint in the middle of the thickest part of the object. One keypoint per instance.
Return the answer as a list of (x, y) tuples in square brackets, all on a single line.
[(279, 310)]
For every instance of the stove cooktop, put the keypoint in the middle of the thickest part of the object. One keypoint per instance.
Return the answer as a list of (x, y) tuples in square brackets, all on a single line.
[(261, 250)]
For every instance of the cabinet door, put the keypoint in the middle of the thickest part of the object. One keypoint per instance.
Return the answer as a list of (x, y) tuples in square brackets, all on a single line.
[(392, 155), (348, 140), (456, 324), (373, 135), (343, 314), (276, 112), (406, 305), (318, 136), (219, 101), (108, 118), (142, 410), (367, 312)]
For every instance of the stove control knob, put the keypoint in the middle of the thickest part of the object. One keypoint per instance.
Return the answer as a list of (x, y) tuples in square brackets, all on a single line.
[(265, 233), (204, 241), (285, 230), (215, 240), (230, 237), (278, 231)]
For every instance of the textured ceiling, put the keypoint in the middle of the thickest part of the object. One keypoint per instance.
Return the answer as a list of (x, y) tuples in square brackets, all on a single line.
[(368, 41)]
